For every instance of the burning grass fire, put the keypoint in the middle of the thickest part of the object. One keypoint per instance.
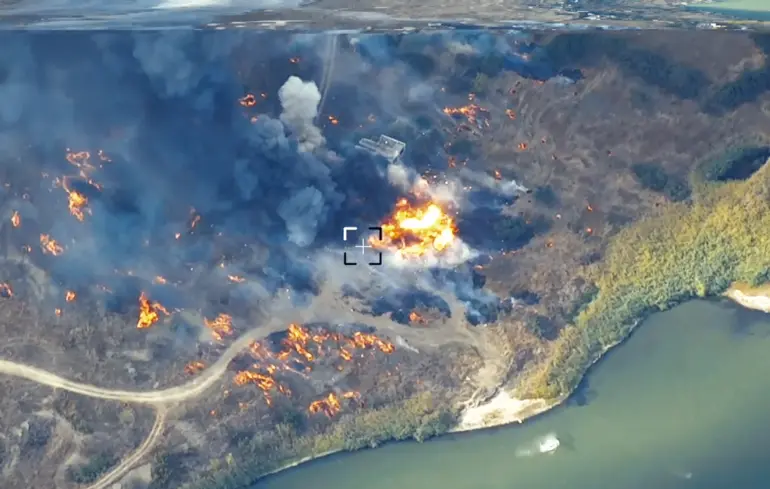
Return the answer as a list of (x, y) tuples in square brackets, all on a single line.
[(330, 405), (298, 351), (220, 326), (413, 231), (50, 245), (77, 204), (149, 312), (472, 112)]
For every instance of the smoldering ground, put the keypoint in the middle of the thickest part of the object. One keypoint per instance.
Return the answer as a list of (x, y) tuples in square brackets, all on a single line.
[(186, 183)]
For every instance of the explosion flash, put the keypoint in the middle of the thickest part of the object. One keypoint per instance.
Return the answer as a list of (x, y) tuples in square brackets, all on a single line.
[(70, 296), (413, 231), (149, 313), (16, 219)]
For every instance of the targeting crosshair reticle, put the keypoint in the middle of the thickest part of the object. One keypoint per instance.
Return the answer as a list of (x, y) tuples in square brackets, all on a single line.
[(363, 246)]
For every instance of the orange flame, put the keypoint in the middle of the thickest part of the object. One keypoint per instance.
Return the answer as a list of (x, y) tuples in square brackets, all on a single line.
[(330, 405), (415, 317), (6, 291), (193, 368), (16, 219), (70, 296), (470, 112), (77, 202), (297, 348), (235, 278), (49, 245), (80, 159), (149, 313), (248, 101), (220, 326), (414, 231)]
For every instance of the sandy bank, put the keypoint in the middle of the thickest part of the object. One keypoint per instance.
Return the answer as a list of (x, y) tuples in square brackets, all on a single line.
[(757, 298), (501, 409)]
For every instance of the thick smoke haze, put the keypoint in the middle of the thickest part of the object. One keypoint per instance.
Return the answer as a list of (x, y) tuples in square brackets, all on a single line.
[(185, 182)]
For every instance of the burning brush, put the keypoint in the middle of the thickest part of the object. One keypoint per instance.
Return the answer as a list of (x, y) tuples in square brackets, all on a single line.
[(149, 312)]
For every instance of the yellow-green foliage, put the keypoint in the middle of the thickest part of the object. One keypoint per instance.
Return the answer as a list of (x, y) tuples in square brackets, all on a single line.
[(690, 250), (417, 418)]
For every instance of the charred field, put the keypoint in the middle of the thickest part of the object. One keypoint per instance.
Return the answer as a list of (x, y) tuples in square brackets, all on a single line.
[(175, 307)]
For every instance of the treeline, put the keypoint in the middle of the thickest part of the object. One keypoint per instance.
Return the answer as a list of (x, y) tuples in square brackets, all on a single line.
[(418, 418), (689, 250)]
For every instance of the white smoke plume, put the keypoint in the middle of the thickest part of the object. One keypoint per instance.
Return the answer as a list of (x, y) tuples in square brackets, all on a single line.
[(299, 101), (408, 180), (504, 187)]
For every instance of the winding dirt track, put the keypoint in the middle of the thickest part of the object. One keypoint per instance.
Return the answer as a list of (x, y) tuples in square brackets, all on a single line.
[(160, 397), (129, 462)]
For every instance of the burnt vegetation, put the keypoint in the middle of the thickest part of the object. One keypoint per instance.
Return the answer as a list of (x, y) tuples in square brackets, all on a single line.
[(653, 176), (562, 272)]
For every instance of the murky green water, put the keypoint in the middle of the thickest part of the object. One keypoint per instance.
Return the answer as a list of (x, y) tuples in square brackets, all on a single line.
[(685, 403)]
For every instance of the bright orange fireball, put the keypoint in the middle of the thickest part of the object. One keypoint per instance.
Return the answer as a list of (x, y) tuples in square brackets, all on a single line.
[(413, 231)]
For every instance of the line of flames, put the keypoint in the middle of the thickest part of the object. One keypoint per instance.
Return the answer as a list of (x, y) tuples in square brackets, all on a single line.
[(300, 347)]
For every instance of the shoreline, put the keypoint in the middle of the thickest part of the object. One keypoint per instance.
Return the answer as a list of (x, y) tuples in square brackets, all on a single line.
[(505, 408), (756, 298)]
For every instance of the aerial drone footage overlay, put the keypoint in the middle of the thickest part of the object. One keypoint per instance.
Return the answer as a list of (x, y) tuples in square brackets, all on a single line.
[(232, 253)]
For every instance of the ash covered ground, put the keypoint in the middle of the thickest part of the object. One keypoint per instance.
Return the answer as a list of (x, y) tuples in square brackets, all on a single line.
[(173, 206)]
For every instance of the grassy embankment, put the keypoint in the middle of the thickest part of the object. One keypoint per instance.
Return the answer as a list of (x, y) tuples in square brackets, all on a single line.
[(418, 418), (689, 250)]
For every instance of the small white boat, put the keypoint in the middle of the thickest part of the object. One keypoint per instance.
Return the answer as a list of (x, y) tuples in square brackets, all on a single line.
[(548, 444)]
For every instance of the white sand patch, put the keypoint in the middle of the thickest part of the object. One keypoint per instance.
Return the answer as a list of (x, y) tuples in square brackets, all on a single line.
[(502, 409), (758, 299)]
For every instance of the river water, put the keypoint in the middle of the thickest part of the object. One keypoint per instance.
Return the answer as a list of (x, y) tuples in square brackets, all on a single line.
[(684, 403)]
